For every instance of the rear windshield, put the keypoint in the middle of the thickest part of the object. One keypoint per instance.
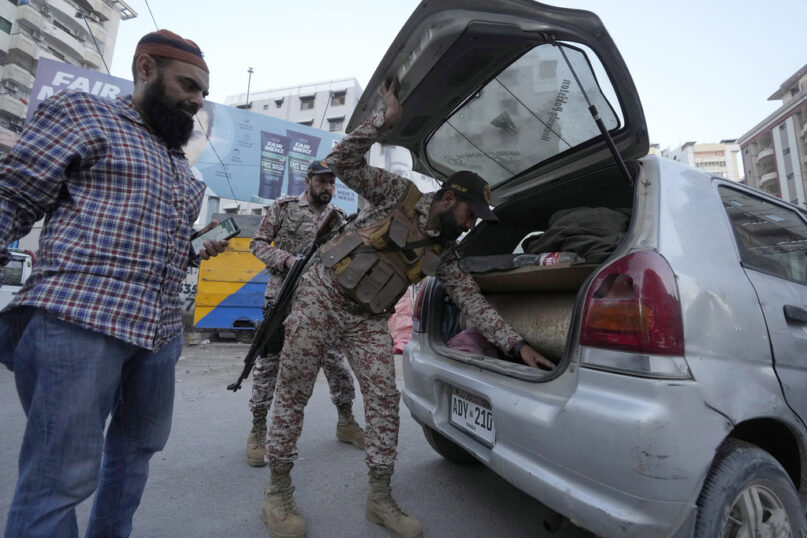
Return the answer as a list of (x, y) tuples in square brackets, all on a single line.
[(532, 111)]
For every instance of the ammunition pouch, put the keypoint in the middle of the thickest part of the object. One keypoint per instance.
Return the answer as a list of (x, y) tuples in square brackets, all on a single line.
[(375, 265)]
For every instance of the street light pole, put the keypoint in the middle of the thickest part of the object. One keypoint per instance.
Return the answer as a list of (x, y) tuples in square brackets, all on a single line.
[(249, 81)]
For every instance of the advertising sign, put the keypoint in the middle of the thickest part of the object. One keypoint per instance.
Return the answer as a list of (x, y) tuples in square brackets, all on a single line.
[(244, 156)]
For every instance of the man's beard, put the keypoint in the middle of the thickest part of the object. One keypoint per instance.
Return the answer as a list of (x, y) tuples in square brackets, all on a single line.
[(449, 229), (169, 121), (322, 199)]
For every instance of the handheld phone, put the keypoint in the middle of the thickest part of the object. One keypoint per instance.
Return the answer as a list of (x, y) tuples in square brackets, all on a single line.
[(224, 230)]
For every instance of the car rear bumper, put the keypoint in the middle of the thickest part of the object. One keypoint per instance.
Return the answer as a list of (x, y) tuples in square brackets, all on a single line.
[(607, 454)]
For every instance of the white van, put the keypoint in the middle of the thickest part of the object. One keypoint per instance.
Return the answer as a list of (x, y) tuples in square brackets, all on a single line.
[(15, 273)]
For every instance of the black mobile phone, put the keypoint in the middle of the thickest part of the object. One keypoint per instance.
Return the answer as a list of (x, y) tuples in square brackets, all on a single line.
[(224, 230)]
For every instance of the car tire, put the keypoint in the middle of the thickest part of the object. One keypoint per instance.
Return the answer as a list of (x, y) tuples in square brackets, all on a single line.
[(447, 448), (748, 493), (245, 336)]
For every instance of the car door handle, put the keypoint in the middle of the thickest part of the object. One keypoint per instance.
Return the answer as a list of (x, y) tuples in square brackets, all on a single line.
[(795, 313)]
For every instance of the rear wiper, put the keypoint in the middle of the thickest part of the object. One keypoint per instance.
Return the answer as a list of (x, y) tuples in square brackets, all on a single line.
[(596, 115)]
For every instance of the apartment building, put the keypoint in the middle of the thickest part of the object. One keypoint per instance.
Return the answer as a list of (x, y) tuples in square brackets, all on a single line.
[(718, 159), (79, 32), (774, 152), (321, 105)]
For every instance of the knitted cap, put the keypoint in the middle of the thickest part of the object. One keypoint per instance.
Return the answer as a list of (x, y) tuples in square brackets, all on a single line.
[(169, 45)]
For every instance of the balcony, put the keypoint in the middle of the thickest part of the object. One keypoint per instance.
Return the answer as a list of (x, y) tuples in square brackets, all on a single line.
[(8, 139), (92, 58), (17, 75), (29, 17), (102, 9), (98, 32), (765, 179), (64, 42), (62, 10), (12, 106), (20, 45), (764, 154)]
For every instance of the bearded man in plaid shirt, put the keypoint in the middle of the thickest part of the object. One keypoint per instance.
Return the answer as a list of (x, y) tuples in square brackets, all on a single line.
[(96, 329)]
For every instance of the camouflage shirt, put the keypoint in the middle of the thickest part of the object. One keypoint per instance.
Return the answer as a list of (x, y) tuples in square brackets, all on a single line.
[(383, 190), (287, 228)]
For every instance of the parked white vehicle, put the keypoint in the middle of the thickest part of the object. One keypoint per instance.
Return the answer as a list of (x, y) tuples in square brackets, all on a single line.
[(678, 404), (14, 274)]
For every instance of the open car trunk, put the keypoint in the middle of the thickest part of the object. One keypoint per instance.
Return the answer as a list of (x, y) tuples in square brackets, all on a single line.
[(541, 302)]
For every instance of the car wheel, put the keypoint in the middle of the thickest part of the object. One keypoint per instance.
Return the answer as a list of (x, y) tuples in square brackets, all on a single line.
[(245, 336), (748, 493), (447, 448)]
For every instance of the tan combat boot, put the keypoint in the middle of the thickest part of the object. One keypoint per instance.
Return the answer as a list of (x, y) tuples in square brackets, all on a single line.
[(382, 508), (278, 510), (347, 429), (256, 441)]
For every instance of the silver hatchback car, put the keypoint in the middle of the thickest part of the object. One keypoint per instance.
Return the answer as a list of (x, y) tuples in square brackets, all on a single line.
[(678, 403)]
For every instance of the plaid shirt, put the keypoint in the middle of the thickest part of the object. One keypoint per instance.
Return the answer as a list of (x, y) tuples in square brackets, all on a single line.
[(119, 207)]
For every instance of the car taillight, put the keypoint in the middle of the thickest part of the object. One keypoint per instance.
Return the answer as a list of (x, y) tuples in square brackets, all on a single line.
[(632, 305), (417, 309)]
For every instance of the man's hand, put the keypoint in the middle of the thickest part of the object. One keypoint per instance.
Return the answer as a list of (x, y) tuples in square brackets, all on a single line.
[(535, 359), (392, 108), (212, 248)]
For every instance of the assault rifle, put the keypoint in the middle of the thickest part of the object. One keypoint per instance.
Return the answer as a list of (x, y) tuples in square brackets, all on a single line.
[(276, 313)]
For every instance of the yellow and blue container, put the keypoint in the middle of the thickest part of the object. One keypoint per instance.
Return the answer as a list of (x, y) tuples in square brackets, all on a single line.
[(231, 286)]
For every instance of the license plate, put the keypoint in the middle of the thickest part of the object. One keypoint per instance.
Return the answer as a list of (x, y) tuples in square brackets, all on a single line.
[(472, 415)]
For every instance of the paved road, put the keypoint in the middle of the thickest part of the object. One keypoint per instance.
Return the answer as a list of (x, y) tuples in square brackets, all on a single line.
[(200, 485)]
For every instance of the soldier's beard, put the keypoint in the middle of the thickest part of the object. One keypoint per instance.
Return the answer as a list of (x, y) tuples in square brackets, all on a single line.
[(169, 120), (322, 199), (450, 230)]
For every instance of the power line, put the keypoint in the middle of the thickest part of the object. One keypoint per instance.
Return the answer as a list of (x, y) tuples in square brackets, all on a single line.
[(152, 15)]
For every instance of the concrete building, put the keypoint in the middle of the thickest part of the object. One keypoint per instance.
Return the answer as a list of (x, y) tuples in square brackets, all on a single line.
[(321, 105), (71, 31), (720, 159), (774, 152)]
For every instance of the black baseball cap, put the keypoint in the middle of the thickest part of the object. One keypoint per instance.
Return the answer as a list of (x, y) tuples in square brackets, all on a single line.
[(474, 190), (318, 167)]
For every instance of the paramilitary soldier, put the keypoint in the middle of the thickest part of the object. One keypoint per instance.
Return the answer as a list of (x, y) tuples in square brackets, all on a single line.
[(400, 237), (291, 222)]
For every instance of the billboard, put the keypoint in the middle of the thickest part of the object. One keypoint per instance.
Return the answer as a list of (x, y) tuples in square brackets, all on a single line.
[(243, 155)]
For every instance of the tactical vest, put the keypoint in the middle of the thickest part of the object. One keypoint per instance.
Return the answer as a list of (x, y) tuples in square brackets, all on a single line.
[(375, 265)]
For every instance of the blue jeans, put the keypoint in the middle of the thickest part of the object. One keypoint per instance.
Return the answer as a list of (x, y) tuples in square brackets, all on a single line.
[(69, 380)]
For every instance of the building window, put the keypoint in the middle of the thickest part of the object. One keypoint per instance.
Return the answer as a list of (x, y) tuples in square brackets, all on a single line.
[(278, 102), (5, 25), (266, 107), (335, 124), (338, 98), (307, 103), (308, 123)]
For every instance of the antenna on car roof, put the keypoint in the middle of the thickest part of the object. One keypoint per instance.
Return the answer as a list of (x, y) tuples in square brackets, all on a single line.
[(596, 115)]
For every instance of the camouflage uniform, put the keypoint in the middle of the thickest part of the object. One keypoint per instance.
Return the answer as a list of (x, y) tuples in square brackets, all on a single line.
[(291, 222), (322, 313)]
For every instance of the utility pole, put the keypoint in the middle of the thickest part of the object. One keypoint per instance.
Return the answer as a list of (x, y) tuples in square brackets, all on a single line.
[(249, 81)]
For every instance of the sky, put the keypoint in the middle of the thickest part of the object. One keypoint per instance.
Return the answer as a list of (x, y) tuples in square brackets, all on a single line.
[(704, 69)]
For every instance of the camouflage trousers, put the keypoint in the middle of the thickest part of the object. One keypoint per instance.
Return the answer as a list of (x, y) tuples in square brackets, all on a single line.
[(264, 376), (322, 314)]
